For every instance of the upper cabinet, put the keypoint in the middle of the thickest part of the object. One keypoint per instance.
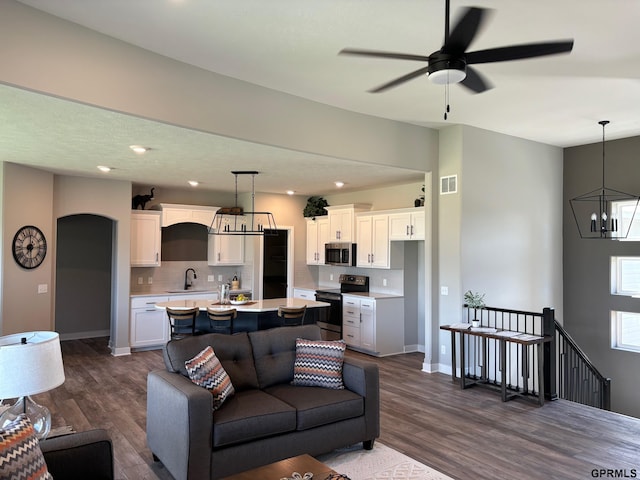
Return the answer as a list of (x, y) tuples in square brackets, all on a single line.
[(317, 236), (173, 213), (226, 249), (373, 241), (342, 222), (145, 238), (407, 225)]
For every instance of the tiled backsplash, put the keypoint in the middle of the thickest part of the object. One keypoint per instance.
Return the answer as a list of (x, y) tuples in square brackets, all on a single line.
[(170, 276)]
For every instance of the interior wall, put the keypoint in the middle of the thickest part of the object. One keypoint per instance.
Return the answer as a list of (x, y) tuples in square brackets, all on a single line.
[(587, 298), (27, 197), (83, 276), (501, 234)]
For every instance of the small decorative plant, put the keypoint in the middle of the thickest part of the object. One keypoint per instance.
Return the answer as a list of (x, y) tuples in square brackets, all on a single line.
[(420, 200), (315, 207), (475, 301)]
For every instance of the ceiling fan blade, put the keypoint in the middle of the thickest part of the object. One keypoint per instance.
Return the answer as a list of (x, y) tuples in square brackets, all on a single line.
[(517, 52), (475, 82), (379, 54), (464, 32), (398, 81)]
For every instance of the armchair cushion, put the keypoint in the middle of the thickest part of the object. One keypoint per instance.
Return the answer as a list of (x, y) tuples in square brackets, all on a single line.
[(20, 454), (80, 456)]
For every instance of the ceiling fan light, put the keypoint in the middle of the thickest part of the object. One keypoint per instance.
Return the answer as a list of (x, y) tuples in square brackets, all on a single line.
[(447, 76)]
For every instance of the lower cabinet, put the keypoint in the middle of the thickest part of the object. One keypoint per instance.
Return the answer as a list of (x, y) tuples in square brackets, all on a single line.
[(304, 293), (373, 326), (149, 326)]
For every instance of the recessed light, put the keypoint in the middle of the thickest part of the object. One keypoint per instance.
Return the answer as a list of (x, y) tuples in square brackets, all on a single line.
[(290, 192), (193, 183), (104, 168), (139, 149), (339, 184)]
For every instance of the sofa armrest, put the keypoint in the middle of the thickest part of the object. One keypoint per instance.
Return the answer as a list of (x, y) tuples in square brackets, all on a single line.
[(179, 423), (363, 378), (79, 456)]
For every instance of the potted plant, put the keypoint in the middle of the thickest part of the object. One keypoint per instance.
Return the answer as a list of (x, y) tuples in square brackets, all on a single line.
[(475, 301), (315, 207), (419, 202)]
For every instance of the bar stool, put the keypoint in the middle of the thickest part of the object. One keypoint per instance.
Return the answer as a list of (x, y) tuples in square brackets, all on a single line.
[(182, 321), (221, 321), (292, 315)]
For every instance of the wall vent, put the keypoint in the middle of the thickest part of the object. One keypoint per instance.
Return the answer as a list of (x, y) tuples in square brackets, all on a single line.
[(448, 184)]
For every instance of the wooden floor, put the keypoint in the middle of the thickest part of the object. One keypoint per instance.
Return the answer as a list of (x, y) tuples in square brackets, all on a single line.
[(464, 434)]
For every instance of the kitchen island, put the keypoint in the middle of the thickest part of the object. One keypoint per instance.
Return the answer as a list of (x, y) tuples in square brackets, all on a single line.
[(253, 315)]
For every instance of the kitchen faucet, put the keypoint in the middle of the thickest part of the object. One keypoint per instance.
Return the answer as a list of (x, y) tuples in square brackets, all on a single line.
[(186, 278)]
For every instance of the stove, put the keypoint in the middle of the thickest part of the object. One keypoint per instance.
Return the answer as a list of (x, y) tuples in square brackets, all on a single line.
[(331, 323)]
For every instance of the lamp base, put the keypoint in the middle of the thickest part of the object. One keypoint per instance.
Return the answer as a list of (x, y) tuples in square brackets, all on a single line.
[(38, 415)]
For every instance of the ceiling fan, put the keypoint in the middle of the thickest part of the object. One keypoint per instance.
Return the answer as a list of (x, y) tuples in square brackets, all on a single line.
[(452, 63)]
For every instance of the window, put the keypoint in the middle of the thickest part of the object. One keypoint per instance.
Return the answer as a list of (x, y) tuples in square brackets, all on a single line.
[(626, 211), (625, 331), (625, 275)]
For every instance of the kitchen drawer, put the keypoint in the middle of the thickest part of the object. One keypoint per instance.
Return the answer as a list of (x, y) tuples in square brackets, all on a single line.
[(350, 307), (147, 302), (351, 321), (351, 335), (304, 293)]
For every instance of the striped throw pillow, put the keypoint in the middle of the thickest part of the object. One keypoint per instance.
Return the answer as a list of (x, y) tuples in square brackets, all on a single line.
[(20, 454), (206, 370), (319, 363)]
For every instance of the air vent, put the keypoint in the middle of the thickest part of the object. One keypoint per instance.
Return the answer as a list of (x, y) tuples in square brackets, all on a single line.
[(448, 184)]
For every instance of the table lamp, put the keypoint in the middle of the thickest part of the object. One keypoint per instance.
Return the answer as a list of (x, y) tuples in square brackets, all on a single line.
[(30, 363)]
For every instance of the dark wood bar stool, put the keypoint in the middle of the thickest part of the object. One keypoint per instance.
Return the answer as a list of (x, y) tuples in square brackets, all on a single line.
[(221, 321), (292, 315), (182, 322)]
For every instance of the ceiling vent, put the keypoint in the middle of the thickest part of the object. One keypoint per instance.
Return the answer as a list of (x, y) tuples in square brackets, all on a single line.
[(449, 184)]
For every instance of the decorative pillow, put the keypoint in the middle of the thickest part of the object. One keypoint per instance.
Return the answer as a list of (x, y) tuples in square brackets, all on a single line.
[(206, 370), (20, 454), (319, 363)]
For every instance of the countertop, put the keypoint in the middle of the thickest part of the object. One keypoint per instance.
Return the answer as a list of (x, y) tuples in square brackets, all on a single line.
[(256, 306), (374, 295), (186, 292)]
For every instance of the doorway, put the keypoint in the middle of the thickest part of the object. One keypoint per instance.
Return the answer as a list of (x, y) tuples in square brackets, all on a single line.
[(275, 264)]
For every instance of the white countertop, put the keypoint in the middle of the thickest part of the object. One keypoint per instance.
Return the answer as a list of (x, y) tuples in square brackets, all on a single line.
[(254, 306), (186, 292)]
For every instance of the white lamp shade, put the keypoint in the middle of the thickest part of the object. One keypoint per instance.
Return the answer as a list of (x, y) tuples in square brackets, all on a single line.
[(30, 368)]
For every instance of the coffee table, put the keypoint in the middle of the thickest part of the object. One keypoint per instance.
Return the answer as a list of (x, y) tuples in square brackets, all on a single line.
[(284, 468)]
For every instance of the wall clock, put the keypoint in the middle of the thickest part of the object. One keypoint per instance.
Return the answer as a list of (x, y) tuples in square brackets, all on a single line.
[(29, 246)]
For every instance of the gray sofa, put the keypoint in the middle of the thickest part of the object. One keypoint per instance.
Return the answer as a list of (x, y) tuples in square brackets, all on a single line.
[(267, 419)]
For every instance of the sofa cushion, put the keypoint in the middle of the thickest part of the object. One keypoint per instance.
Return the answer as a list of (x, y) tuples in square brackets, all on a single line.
[(206, 371), (250, 415), (274, 352), (318, 363), (317, 406), (233, 351), (20, 454)]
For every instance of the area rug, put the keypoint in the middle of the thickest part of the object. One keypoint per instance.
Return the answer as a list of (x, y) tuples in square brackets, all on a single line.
[(381, 463)]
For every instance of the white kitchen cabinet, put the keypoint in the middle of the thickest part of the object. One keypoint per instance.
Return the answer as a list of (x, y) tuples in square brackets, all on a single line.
[(225, 250), (173, 213), (145, 238), (317, 236), (342, 222), (407, 225), (304, 293), (372, 237), (149, 326), (373, 326)]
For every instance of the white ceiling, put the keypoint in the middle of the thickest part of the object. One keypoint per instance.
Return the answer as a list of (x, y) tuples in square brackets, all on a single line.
[(292, 46)]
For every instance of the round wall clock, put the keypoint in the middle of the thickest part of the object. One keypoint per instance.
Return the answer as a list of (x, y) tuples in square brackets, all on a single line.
[(29, 246)]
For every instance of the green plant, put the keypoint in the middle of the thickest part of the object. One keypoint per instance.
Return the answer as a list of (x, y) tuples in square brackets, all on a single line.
[(474, 300), (315, 207)]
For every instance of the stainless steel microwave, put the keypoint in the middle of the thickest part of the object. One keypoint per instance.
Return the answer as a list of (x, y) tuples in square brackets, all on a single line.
[(340, 254)]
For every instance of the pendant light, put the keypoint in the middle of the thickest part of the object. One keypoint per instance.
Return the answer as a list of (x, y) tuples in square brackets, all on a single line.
[(235, 221), (604, 213)]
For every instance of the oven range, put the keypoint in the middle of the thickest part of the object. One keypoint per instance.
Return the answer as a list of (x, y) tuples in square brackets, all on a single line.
[(331, 324)]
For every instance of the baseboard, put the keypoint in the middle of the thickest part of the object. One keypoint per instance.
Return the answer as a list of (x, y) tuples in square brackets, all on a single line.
[(81, 335), (414, 348), (119, 352)]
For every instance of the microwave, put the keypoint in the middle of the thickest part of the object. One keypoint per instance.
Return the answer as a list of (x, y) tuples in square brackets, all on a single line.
[(340, 254)]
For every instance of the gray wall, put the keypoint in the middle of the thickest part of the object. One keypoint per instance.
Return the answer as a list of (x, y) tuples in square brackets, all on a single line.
[(587, 298)]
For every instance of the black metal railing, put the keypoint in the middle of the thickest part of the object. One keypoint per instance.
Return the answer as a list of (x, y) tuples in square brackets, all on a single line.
[(568, 372)]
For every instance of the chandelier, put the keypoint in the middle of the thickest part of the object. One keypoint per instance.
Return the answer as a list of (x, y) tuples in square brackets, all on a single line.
[(604, 213), (235, 221)]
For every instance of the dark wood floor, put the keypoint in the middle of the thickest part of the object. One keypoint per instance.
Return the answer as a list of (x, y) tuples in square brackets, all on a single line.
[(465, 434)]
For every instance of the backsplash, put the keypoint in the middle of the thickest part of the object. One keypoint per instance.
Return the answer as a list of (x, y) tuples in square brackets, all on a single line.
[(170, 276)]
